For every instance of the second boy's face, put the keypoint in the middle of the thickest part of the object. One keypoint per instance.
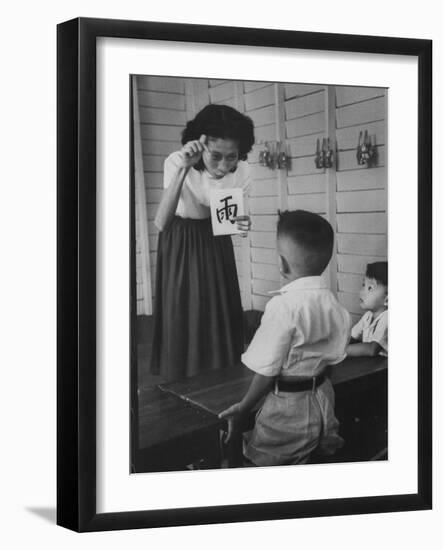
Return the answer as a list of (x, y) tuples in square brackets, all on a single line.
[(221, 156), (373, 295)]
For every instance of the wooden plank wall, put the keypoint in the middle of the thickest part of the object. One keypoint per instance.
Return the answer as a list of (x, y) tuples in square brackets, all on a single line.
[(294, 114), (140, 295), (162, 105), (260, 105), (305, 121), (143, 267), (138, 261), (361, 192)]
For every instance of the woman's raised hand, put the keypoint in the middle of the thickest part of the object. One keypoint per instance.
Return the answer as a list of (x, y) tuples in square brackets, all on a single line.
[(192, 151)]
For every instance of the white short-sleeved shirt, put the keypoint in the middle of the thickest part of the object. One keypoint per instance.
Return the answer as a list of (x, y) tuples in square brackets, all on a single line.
[(303, 329), (373, 329), (194, 197)]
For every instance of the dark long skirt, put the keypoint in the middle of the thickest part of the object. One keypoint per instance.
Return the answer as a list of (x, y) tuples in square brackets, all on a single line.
[(197, 307)]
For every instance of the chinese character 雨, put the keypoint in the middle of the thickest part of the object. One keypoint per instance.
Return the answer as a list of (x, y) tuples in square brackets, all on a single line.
[(228, 211)]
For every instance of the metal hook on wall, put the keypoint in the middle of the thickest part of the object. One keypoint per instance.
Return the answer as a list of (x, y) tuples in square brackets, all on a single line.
[(319, 160), (329, 155), (264, 156), (273, 156), (282, 157), (324, 155), (365, 150)]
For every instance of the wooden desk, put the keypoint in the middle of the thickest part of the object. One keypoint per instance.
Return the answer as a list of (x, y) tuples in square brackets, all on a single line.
[(173, 434), (217, 390), (360, 386)]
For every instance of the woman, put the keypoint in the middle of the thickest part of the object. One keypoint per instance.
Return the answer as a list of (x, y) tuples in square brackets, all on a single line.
[(198, 323)]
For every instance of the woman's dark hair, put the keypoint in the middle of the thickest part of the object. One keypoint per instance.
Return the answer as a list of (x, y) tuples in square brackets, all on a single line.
[(378, 271), (224, 122)]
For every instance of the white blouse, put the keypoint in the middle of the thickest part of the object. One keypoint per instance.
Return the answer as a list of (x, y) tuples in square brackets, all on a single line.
[(194, 197)]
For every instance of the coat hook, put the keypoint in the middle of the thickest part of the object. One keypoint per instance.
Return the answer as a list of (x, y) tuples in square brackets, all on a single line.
[(318, 156), (365, 150), (282, 158), (264, 156), (272, 155), (329, 156), (260, 155), (324, 155)]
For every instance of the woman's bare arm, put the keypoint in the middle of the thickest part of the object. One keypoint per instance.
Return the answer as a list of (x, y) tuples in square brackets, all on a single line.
[(189, 155), (168, 204)]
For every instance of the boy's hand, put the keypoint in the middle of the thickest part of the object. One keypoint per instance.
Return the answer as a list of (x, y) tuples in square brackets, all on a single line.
[(234, 416), (192, 151), (243, 224)]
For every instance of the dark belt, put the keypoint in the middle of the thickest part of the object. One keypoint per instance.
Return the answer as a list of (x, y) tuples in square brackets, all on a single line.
[(299, 385)]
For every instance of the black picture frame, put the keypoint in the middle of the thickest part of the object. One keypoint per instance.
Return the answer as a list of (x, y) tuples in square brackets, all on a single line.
[(76, 273)]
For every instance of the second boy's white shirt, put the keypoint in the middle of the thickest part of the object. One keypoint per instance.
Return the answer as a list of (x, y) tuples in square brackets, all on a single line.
[(194, 197), (303, 329), (373, 329)]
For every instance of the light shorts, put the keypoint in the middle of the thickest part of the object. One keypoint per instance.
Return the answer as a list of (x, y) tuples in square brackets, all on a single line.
[(290, 425)]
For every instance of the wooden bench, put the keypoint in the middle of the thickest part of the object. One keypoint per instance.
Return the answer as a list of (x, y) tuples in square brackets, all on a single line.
[(173, 434)]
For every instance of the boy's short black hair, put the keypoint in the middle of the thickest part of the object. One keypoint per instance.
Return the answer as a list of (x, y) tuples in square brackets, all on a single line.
[(224, 122), (379, 272), (312, 233)]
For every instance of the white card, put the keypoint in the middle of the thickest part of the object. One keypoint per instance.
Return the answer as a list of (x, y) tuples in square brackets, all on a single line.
[(225, 204)]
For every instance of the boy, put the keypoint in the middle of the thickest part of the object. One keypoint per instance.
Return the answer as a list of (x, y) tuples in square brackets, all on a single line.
[(303, 330), (370, 334)]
